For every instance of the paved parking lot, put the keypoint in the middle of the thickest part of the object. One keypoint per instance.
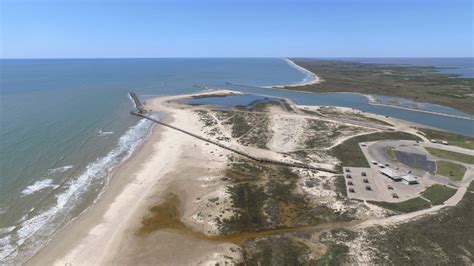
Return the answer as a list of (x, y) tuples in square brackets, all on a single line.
[(382, 188), (379, 185)]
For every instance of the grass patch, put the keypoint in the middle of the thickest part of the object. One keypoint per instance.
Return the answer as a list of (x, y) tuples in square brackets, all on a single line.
[(460, 157), (334, 255), (452, 170), (471, 187), (390, 151), (350, 154), (438, 194), (410, 205), (340, 184), (451, 138), (419, 83), (445, 238)]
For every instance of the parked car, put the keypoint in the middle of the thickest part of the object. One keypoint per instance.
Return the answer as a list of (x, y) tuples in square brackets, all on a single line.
[(348, 176), (366, 180), (368, 188), (350, 183), (351, 190), (390, 187), (348, 170), (364, 174), (394, 195)]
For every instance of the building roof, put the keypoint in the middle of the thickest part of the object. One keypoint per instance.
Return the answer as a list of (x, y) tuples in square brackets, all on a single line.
[(409, 178), (388, 172)]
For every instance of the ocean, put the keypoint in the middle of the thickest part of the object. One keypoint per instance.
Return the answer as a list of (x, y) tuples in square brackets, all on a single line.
[(65, 125)]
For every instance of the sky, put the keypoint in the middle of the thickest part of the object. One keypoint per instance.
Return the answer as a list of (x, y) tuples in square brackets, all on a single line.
[(232, 28)]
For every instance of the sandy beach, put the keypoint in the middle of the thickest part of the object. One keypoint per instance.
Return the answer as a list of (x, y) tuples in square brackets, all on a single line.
[(106, 232), (311, 79), (166, 204)]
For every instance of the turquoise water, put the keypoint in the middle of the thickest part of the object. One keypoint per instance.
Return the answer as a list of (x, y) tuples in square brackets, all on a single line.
[(65, 125)]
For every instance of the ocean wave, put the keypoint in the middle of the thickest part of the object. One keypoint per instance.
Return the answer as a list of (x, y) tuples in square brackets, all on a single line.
[(6, 230), (37, 186), (61, 169), (7, 249), (101, 133), (41, 224)]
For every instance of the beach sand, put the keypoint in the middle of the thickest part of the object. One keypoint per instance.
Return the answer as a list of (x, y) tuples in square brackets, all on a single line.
[(167, 162)]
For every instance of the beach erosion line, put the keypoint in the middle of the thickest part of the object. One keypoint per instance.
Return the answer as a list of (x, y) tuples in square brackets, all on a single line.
[(22, 240)]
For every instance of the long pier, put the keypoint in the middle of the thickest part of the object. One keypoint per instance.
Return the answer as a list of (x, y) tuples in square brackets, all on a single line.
[(142, 112), (234, 150), (138, 104)]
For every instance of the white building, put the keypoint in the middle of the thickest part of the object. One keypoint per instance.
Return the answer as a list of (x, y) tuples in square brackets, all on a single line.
[(391, 174), (409, 179), (395, 176)]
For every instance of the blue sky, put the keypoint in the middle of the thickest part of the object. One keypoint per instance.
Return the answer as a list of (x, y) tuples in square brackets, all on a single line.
[(226, 28)]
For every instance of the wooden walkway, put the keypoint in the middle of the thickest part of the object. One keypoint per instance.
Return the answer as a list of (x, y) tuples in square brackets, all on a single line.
[(234, 150)]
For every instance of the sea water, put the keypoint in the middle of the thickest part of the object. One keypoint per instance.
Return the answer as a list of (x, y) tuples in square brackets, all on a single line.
[(65, 125)]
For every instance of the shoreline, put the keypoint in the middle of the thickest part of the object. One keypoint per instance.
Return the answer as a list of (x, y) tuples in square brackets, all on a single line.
[(373, 101), (92, 221), (166, 163), (311, 78), (96, 235)]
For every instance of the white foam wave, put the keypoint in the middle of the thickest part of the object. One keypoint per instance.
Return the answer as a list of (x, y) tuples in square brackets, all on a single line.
[(6, 230), (7, 249), (104, 133), (60, 169), (37, 186), (41, 223)]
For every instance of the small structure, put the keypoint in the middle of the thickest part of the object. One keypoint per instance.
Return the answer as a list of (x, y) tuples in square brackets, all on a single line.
[(391, 174), (406, 178), (409, 179)]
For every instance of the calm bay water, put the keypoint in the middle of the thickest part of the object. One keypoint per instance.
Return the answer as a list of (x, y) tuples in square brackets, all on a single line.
[(65, 125)]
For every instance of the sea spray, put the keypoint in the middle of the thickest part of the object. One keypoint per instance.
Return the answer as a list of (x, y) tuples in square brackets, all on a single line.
[(38, 185)]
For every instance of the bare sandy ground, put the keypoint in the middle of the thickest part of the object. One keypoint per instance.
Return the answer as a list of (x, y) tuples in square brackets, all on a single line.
[(106, 233), (171, 162)]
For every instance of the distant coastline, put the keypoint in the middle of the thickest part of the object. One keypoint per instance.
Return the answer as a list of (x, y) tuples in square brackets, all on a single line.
[(311, 78)]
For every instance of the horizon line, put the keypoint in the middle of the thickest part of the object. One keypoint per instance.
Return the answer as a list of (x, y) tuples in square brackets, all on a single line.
[(236, 57)]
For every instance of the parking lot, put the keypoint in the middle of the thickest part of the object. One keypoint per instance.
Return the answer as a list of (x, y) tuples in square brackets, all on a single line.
[(376, 186)]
